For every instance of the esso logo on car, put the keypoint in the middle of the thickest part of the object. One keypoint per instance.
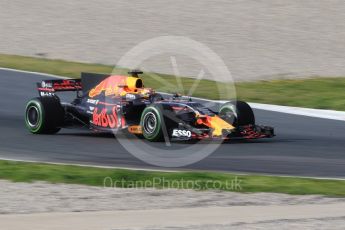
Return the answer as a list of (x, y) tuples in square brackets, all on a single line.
[(181, 133)]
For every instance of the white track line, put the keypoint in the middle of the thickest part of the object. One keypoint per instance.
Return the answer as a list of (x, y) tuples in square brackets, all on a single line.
[(318, 113), (86, 165), (31, 72)]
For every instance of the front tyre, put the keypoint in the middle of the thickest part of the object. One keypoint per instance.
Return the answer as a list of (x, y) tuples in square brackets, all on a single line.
[(151, 124), (44, 115)]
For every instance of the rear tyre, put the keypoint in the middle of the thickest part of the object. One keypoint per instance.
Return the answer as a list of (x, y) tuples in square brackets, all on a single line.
[(151, 124), (44, 115), (237, 113)]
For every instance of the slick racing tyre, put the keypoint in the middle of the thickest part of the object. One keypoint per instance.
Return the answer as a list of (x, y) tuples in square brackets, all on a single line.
[(44, 115), (151, 123), (237, 113)]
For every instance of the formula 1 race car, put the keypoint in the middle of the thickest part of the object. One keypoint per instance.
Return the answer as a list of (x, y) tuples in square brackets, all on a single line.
[(113, 103)]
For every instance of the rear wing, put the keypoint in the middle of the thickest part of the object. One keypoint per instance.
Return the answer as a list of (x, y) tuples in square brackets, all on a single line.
[(49, 87), (82, 85)]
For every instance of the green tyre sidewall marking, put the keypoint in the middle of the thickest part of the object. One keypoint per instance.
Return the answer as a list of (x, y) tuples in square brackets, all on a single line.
[(156, 133), (36, 103)]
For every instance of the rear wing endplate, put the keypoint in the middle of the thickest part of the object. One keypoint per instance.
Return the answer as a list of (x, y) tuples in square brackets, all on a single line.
[(49, 87)]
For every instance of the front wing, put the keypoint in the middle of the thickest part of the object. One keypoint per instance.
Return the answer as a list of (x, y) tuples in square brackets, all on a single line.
[(242, 132)]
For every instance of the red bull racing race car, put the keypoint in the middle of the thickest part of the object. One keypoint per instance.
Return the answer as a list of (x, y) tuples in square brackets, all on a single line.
[(114, 103)]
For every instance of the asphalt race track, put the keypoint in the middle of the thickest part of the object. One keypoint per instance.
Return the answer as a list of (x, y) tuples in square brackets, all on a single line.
[(303, 146)]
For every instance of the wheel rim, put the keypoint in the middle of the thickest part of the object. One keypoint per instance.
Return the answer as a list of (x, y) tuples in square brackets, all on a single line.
[(150, 123), (230, 116), (33, 116), (228, 112)]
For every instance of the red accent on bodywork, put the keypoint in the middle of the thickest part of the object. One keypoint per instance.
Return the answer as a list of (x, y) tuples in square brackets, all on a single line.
[(105, 120), (177, 108), (205, 120), (123, 122), (46, 89), (249, 133), (67, 85), (61, 85), (105, 103)]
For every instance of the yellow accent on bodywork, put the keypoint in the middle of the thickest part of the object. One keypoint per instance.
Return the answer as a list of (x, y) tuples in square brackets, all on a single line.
[(218, 124), (135, 129), (132, 82)]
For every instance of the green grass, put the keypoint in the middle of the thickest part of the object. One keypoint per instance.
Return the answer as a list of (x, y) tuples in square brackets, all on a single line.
[(323, 93), (320, 93), (30, 172), (58, 67)]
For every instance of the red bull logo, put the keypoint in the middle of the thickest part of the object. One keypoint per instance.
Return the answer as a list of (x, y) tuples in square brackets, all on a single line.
[(105, 120)]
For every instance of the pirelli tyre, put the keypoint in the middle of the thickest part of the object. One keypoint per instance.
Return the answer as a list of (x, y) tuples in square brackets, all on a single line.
[(237, 113), (151, 123), (44, 115)]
